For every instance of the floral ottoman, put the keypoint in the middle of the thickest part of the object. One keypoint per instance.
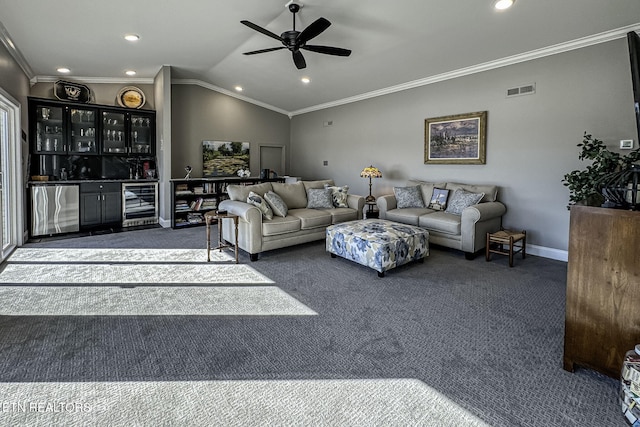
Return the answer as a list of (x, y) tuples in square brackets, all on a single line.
[(377, 243)]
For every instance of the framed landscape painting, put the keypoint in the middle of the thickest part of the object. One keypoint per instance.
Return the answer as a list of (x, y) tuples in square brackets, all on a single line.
[(224, 158), (458, 139)]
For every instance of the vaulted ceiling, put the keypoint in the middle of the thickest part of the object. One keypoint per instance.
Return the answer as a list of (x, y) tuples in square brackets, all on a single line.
[(395, 44)]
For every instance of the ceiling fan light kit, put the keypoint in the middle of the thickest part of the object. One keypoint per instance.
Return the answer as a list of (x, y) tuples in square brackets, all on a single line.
[(294, 40)]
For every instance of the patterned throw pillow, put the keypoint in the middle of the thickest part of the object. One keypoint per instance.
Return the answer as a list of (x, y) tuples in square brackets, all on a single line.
[(462, 199), (276, 203), (338, 195), (408, 197), (257, 201), (319, 198)]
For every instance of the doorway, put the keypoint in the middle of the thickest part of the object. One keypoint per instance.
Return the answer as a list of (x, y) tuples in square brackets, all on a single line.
[(272, 157), (11, 199)]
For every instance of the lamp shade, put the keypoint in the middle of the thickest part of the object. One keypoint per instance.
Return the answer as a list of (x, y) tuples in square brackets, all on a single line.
[(370, 172)]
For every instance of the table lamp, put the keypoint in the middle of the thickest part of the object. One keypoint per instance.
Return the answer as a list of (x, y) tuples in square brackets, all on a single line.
[(370, 172)]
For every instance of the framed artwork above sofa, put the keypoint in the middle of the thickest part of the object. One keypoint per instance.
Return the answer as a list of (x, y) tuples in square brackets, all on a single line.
[(457, 139)]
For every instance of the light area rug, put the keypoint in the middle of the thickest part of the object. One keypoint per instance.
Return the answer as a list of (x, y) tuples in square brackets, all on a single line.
[(149, 301), (134, 274), (95, 255), (371, 402)]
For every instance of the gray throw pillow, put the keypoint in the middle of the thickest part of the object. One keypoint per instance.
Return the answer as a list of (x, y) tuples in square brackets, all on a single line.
[(408, 197), (257, 201), (339, 195), (278, 206), (462, 199), (319, 198)]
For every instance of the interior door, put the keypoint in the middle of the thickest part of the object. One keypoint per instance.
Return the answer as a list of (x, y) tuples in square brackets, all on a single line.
[(272, 157)]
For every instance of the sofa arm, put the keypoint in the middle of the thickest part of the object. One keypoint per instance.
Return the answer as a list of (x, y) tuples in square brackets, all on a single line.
[(477, 221), (356, 202), (249, 227), (386, 203), (244, 210), (483, 211)]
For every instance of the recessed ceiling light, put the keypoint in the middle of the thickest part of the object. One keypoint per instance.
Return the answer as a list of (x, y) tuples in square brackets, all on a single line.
[(503, 4), (305, 80), (238, 88), (130, 73), (64, 70), (132, 37)]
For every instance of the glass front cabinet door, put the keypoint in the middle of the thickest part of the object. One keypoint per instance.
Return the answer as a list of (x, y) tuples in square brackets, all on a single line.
[(83, 131), (114, 135), (49, 129), (141, 134)]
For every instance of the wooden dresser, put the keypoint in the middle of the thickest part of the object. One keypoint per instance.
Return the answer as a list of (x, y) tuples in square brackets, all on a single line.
[(602, 318)]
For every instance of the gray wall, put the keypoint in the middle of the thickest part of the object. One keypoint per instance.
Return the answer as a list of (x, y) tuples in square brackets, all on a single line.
[(200, 114), (531, 140)]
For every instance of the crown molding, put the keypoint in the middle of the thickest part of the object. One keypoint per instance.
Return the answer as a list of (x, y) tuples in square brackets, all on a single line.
[(98, 80), (229, 93), (491, 65), (15, 53)]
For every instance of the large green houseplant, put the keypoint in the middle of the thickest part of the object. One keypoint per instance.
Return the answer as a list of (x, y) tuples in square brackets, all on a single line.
[(585, 186)]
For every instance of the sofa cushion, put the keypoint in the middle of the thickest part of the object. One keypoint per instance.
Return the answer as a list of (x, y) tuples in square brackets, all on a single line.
[(311, 218), (293, 194), (317, 184), (442, 222), (339, 195), (281, 225), (278, 205), (462, 199), (241, 192), (260, 203), (407, 215), (342, 214), (319, 198), (408, 197), (426, 188), (490, 191)]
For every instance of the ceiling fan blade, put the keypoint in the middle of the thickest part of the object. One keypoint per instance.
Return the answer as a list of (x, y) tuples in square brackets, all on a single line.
[(314, 29), (261, 30), (298, 59), (271, 49), (329, 50)]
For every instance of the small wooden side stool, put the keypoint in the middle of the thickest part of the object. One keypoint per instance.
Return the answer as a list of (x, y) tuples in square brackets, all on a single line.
[(517, 241)]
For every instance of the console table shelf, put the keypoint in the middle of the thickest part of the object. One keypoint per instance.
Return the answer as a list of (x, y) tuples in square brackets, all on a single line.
[(192, 198)]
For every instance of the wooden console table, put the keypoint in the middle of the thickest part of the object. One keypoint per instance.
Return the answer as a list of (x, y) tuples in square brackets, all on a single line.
[(602, 319)]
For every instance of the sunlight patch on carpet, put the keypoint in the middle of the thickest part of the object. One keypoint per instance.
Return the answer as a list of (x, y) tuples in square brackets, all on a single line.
[(135, 274), (149, 301), (388, 402), (42, 255)]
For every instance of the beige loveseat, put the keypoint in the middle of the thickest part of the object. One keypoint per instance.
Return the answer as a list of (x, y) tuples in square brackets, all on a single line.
[(300, 225), (465, 231)]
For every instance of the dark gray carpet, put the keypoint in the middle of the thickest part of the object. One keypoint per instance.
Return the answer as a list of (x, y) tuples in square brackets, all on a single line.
[(487, 336)]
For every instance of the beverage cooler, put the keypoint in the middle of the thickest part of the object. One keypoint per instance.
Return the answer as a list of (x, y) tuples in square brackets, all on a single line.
[(139, 204)]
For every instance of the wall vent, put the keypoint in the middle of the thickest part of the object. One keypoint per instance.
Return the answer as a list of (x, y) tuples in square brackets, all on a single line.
[(528, 89)]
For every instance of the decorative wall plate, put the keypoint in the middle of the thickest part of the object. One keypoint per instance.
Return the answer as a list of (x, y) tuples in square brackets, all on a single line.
[(131, 97), (69, 91)]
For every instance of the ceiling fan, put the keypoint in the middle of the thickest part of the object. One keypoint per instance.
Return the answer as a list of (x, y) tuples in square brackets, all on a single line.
[(296, 40)]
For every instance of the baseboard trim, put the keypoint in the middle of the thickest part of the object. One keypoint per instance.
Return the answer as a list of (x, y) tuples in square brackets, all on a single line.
[(164, 223), (551, 253)]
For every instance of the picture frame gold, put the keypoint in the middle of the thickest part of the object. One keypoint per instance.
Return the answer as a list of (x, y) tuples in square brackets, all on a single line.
[(457, 139)]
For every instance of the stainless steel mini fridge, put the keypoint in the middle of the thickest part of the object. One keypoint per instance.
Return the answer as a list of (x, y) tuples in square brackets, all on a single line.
[(54, 209)]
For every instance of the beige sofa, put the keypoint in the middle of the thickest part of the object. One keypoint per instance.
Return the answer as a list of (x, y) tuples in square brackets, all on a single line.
[(301, 224), (465, 232)]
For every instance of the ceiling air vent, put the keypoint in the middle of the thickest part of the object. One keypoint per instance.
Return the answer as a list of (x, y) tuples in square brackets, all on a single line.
[(529, 89)]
